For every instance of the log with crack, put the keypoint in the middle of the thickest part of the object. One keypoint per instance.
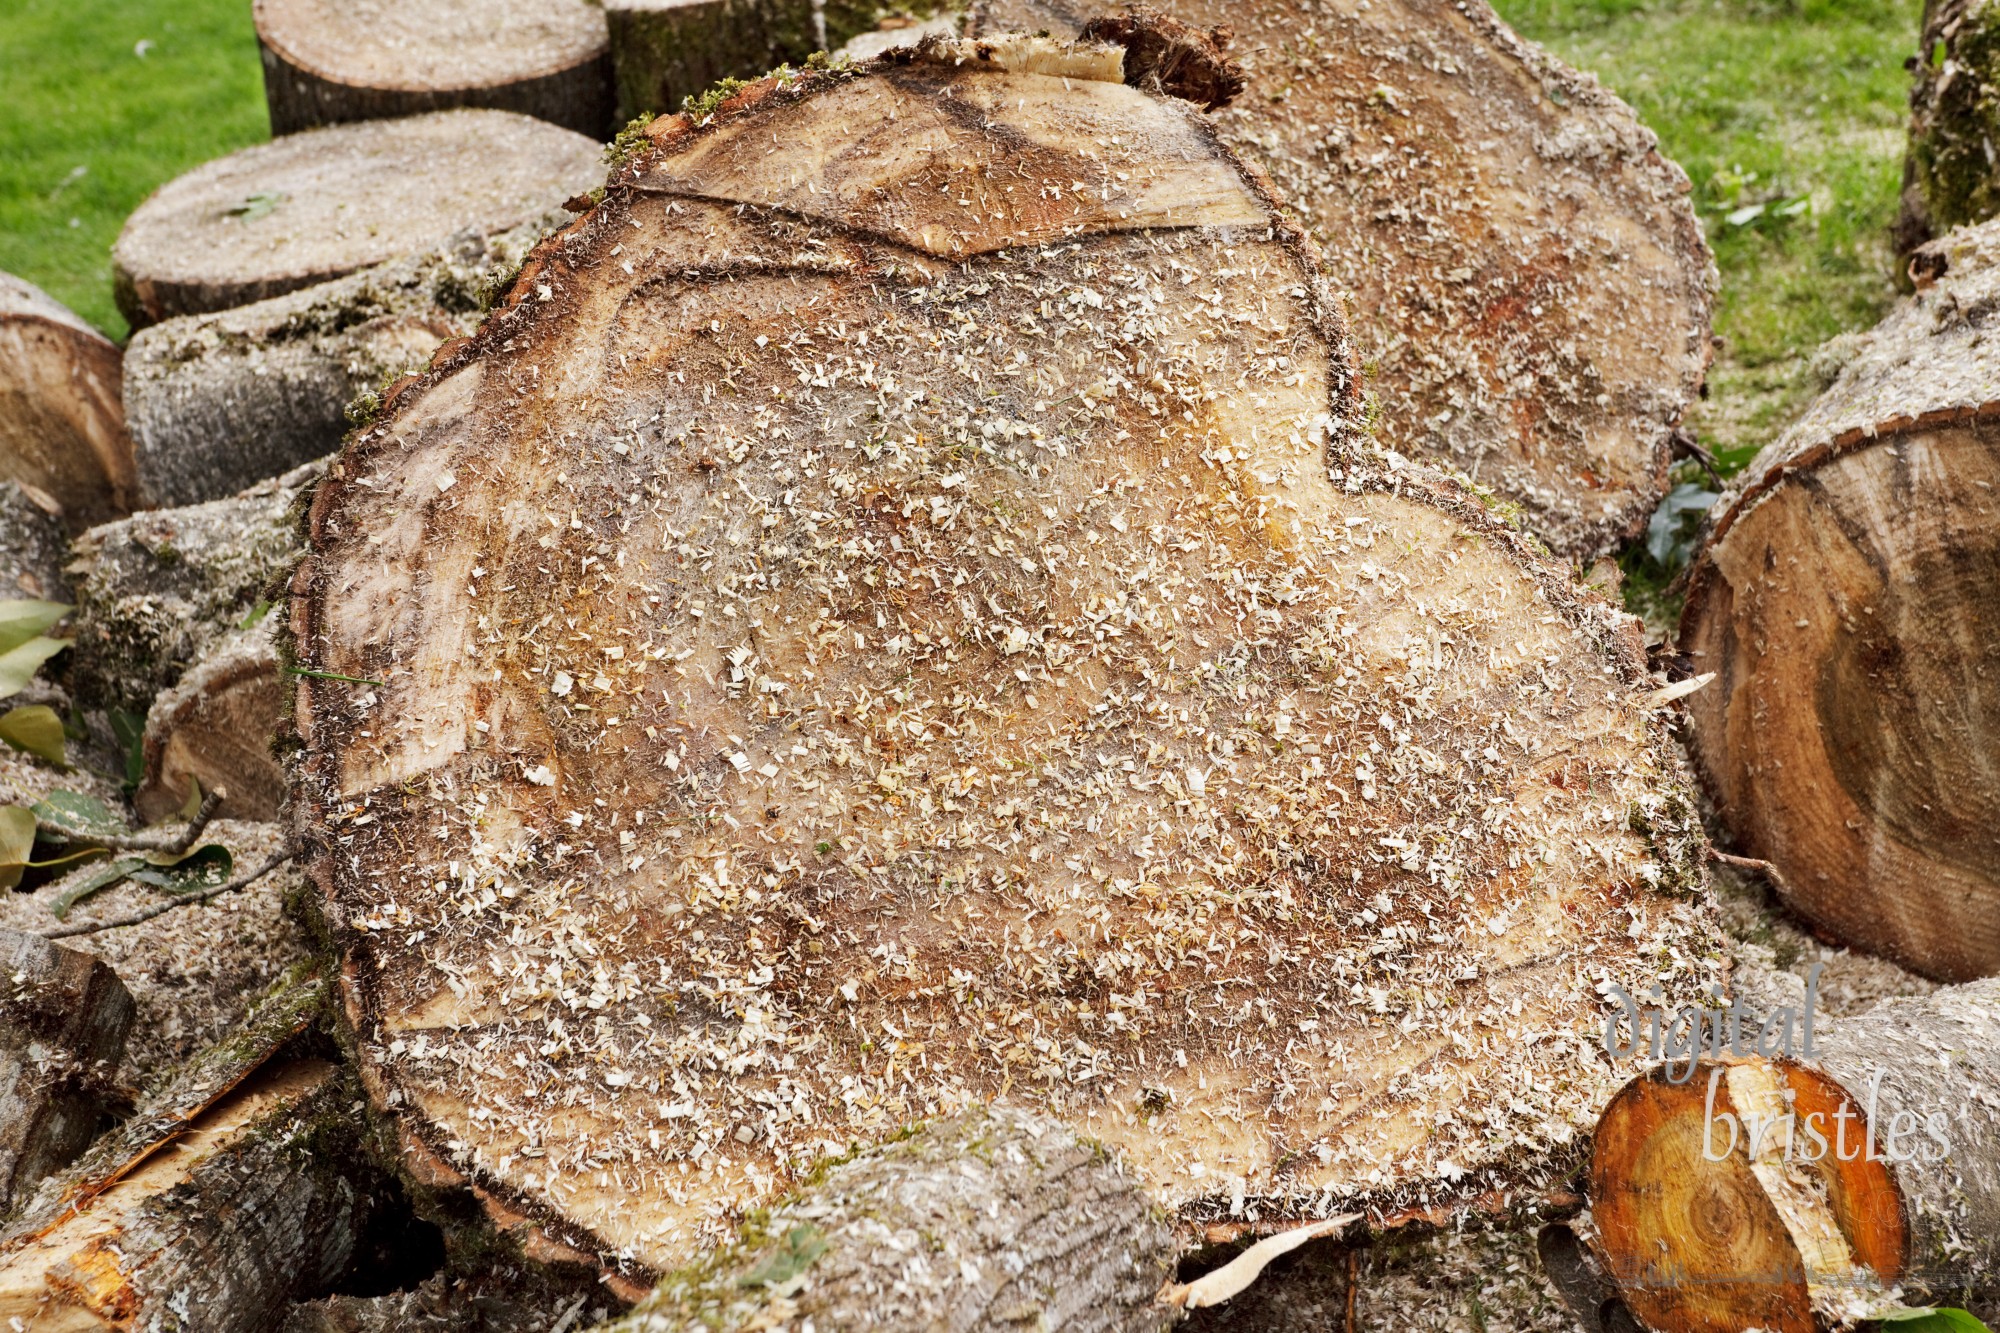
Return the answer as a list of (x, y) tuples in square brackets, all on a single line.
[(864, 633), (1528, 289), (1843, 600), (1795, 1195)]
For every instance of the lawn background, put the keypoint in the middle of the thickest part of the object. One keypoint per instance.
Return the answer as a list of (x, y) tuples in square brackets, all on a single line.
[(1788, 117)]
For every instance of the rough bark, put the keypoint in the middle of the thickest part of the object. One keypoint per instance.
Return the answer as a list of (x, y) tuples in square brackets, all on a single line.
[(63, 1020), (316, 206), (197, 971), (499, 1298), (33, 545), (1529, 291), (983, 1222), (221, 400), (1843, 599), (62, 430), (215, 729), (257, 1199), (327, 62), (908, 488), (1902, 1201), (1948, 177), (157, 592), (665, 51)]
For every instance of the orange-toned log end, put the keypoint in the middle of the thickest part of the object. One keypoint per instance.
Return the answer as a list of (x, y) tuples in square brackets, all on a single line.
[(1743, 1197)]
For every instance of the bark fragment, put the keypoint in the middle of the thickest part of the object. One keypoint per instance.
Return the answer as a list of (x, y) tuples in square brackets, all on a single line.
[(62, 430), (327, 62), (311, 207), (63, 1020), (33, 545)]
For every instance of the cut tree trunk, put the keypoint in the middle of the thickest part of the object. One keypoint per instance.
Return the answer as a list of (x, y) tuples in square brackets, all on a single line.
[(1948, 178), (1528, 288), (934, 650), (987, 1221), (253, 1202), (665, 51), (327, 61), (159, 591), (1886, 1174), (311, 207), (221, 400), (63, 1020), (1844, 601), (62, 429), (33, 545), (214, 729)]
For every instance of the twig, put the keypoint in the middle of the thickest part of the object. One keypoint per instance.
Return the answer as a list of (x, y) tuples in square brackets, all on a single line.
[(182, 900), (1752, 864), (151, 841), (1353, 1274)]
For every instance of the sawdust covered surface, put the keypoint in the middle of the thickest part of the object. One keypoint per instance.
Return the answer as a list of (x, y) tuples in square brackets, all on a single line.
[(826, 675), (1528, 288)]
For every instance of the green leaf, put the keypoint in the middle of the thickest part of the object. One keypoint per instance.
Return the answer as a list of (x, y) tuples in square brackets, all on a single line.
[(74, 812), (19, 665), (36, 728), (130, 731), (1934, 1321), (192, 805), (22, 620), (100, 877), (17, 843), (257, 614), (258, 205), (203, 868), (795, 1254)]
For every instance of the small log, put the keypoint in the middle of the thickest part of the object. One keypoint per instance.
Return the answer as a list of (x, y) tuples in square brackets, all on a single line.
[(867, 908), (33, 545), (157, 592), (63, 1020), (1528, 287), (1948, 178), (311, 207), (194, 973), (256, 1200), (986, 1221), (1843, 599), (1878, 1166), (221, 400), (214, 729), (326, 62), (62, 429), (665, 51)]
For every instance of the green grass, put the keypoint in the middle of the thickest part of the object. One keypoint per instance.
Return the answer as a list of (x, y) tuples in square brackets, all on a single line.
[(88, 127)]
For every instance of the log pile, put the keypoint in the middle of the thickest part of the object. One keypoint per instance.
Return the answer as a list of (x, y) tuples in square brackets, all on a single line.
[(923, 719), (62, 428)]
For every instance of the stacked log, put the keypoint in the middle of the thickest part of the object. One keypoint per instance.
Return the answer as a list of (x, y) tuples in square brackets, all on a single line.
[(1791, 1195), (666, 51), (1528, 289), (33, 545), (326, 62), (312, 207), (62, 429), (156, 592), (218, 401), (1948, 176), (64, 1017), (1842, 599), (936, 650)]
